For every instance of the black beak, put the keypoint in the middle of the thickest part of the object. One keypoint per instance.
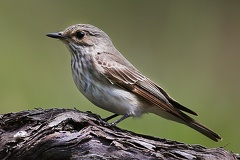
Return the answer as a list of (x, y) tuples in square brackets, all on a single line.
[(57, 35)]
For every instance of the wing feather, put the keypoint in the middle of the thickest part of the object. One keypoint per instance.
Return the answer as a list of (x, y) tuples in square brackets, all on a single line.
[(132, 80)]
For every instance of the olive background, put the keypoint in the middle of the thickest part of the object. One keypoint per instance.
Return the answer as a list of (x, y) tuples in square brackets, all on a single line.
[(190, 48)]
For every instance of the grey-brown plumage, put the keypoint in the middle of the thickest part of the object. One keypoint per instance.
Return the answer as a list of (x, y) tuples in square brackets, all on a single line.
[(110, 81)]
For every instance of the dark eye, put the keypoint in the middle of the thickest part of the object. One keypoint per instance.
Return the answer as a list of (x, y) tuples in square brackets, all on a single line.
[(80, 34)]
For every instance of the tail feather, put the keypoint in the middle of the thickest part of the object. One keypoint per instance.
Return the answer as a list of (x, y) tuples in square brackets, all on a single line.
[(186, 120), (204, 130)]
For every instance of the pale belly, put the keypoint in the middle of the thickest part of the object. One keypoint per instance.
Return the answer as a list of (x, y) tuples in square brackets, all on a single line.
[(112, 98), (115, 100)]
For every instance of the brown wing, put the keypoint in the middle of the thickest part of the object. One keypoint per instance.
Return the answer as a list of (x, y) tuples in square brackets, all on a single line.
[(131, 79), (175, 103), (126, 76)]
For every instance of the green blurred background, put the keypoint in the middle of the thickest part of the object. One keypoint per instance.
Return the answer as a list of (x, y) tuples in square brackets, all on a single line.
[(190, 48)]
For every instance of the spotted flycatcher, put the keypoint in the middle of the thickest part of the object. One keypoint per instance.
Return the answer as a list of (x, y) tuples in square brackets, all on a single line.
[(107, 79)]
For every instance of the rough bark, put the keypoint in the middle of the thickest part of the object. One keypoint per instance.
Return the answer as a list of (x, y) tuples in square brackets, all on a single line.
[(61, 134)]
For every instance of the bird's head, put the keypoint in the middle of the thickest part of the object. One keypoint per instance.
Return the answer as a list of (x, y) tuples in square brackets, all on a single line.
[(82, 35)]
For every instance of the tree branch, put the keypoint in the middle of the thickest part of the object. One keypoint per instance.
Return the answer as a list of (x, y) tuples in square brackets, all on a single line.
[(59, 134)]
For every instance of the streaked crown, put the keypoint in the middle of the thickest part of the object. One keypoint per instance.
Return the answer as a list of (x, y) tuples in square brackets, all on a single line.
[(81, 34)]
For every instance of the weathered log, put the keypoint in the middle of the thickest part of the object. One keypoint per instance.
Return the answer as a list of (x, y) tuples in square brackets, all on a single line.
[(61, 134)]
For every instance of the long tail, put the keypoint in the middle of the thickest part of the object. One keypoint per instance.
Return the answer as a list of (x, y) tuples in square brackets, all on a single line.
[(204, 130), (186, 120)]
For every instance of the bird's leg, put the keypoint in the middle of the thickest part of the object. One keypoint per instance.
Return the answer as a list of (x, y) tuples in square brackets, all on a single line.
[(110, 117), (119, 120)]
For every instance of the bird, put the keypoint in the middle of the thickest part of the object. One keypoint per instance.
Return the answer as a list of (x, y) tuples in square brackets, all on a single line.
[(108, 80)]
